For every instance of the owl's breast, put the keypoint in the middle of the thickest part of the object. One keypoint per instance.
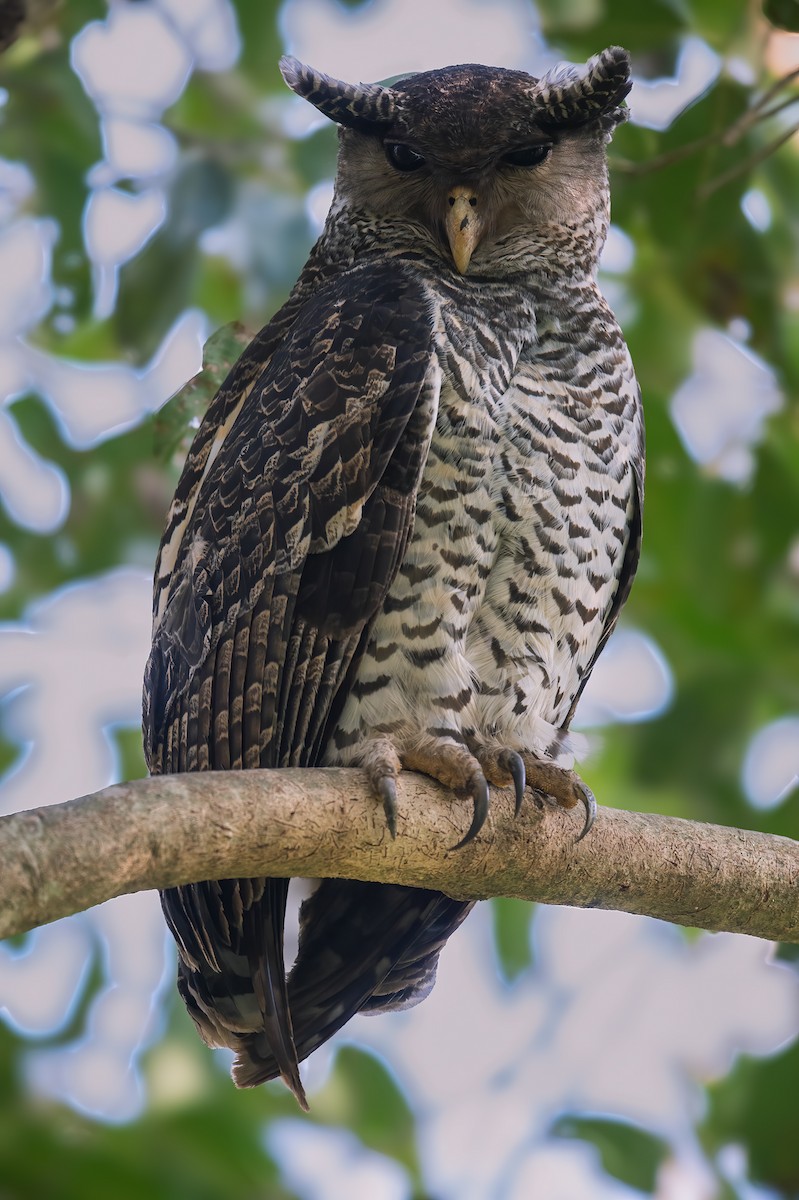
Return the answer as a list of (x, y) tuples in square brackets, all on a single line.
[(561, 498), (522, 522)]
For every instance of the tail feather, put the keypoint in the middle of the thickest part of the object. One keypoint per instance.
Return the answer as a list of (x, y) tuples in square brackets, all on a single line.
[(363, 946), (264, 940), (232, 975), (413, 977)]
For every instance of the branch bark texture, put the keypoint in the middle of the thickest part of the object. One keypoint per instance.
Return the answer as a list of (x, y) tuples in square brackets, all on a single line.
[(173, 829)]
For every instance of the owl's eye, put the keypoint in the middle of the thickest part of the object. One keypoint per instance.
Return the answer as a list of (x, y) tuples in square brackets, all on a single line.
[(527, 156), (402, 157)]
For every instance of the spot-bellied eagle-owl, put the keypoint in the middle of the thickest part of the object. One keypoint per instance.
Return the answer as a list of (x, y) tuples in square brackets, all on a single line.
[(407, 524)]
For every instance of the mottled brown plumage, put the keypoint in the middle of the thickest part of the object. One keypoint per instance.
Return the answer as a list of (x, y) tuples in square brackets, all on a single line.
[(407, 525)]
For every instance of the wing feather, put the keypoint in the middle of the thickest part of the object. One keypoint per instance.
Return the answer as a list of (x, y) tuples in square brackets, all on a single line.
[(220, 746), (291, 530)]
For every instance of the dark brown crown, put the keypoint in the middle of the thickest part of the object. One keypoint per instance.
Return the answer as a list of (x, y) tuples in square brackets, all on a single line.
[(452, 102)]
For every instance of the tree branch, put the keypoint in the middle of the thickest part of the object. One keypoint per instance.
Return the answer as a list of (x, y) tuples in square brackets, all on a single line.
[(174, 829)]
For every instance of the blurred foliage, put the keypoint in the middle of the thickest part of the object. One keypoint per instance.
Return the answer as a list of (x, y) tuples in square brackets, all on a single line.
[(753, 1107), (512, 936), (628, 1153), (715, 589), (783, 13)]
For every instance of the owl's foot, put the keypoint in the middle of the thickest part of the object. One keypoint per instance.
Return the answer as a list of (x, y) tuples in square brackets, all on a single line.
[(504, 768), (564, 787), (451, 764), (381, 762), (508, 768), (456, 768), (469, 774)]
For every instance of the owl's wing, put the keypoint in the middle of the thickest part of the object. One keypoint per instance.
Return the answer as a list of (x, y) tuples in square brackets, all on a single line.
[(304, 502), (291, 530), (221, 413)]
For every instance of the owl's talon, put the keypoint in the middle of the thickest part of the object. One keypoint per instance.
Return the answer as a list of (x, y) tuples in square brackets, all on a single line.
[(480, 798), (387, 791), (588, 801), (501, 767), (515, 765)]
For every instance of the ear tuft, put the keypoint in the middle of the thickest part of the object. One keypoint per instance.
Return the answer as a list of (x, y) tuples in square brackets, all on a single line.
[(366, 107), (573, 96)]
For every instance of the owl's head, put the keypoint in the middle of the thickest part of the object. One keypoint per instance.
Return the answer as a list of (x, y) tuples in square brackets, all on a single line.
[(480, 157)]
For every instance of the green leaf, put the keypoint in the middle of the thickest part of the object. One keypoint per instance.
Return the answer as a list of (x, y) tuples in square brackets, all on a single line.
[(130, 755), (719, 21), (156, 286), (261, 44), (363, 1095), (177, 421), (627, 1152), (116, 515), (315, 155), (782, 13), (512, 935), (93, 982), (788, 952), (50, 125), (582, 27), (757, 1106)]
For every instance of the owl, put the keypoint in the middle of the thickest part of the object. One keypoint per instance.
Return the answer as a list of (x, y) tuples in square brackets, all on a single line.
[(406, 526)]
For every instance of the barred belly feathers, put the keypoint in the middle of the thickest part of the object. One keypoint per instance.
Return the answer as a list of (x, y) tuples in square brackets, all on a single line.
[(406, 526)]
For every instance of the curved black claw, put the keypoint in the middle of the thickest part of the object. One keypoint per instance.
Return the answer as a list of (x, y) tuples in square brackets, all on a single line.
[(480, 798), (514, 763), (387, 791), (589, 804)]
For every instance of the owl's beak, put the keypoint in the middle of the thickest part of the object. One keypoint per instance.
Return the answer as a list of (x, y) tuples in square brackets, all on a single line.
[(464, 225)]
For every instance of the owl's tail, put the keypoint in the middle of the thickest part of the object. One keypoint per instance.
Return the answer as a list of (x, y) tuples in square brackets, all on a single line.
[(231, 974), (364, 947), (264, 940)]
